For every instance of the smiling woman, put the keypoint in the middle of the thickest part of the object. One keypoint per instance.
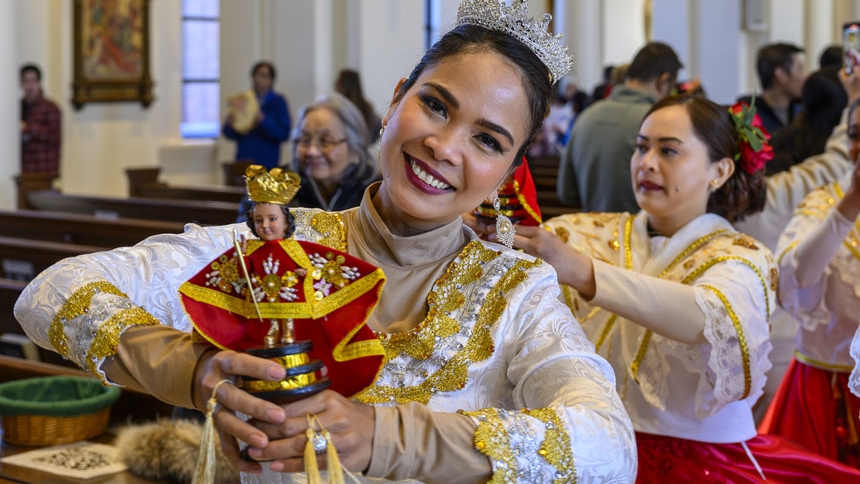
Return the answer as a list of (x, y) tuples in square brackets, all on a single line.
[(486, 373)]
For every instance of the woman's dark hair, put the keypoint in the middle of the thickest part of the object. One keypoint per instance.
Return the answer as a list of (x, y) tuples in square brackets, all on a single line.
[(742, 194), (468, 38), (348, 84), (291, 221), (259, 65), (823, 101)]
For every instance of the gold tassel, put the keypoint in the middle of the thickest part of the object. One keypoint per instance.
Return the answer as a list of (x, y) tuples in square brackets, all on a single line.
[(311, 467), (335, 473), (205, 471)]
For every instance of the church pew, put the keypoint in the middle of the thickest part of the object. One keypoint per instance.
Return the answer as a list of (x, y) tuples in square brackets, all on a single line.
[(24, 258), (81, 229), (143, 182), (205, 213)]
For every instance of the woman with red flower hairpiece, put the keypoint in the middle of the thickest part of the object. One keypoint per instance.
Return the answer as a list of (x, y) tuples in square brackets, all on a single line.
[(819, 284), (678, 301)]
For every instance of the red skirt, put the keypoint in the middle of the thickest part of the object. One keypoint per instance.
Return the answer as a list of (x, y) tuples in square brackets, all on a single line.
[(664, 460), (815, 408)]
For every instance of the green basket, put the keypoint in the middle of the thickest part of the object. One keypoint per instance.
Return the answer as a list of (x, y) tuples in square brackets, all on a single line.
[(54, 409)]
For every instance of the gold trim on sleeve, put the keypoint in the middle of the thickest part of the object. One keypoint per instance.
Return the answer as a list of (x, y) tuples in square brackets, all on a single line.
[(742, 340), (491, 439), (107, 336), (555, 448), (76, 305)]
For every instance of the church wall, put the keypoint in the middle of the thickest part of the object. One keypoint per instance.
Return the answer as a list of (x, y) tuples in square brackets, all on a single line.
[(310, 41)]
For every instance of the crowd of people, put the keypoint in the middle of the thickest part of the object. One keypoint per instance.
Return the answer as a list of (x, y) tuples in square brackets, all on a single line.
[(640, 338)]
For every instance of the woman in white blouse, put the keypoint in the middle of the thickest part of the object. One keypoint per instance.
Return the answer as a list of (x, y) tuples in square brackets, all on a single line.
[(679, 302), (819, 284)]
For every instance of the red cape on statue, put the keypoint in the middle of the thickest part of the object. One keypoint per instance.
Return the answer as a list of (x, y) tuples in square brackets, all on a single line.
[(329, 295)]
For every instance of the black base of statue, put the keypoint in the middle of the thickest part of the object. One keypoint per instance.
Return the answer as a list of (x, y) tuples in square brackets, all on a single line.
[(282, 396)]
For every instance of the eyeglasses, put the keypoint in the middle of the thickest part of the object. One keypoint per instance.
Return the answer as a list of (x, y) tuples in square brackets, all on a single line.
[(325, 144)]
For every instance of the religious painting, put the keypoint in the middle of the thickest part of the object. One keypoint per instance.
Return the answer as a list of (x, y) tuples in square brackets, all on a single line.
[(111, 52)]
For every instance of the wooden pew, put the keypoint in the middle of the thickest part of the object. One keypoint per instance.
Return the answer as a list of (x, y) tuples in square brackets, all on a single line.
[(81, 229), (143, 182), (28, 182), (204, 213), (38, 254), (9, 291)]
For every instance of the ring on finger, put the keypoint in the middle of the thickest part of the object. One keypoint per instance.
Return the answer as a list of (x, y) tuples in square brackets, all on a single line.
[(319, 442)]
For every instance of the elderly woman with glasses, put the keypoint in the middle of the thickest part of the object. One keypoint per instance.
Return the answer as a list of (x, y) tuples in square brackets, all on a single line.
[(330, 155)]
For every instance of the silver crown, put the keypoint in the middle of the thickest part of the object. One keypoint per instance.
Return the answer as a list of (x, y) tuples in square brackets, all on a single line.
[(515, 21)]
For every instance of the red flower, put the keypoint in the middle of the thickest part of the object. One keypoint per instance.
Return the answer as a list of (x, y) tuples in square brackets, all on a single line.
[(752, 136), (752, 161)]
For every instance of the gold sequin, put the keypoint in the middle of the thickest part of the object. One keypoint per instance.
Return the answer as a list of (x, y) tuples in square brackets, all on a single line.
[(491, 439), (614, 244), (330, 226), (76, 305), (562, 233), (555, 448), (107, 336), (774, 279), (454, 374), (744, 241)]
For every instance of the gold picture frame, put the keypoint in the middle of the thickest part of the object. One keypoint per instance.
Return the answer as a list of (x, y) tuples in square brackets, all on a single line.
[(111, 52)]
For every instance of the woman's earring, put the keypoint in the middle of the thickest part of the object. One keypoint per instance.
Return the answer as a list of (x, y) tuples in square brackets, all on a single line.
[(504, 227), (381, 130), (715, 183)]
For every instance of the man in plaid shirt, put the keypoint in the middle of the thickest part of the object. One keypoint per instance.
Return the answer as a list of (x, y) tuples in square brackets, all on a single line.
[(40, 126)]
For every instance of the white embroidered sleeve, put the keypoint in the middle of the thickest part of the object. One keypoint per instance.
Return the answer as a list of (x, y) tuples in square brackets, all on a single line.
[(80, 306), (572, 417), (737, 302), (806, 249)]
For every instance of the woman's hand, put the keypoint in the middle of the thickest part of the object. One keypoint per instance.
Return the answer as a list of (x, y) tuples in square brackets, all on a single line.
[(573, 268), (351, 425), (215, 366)]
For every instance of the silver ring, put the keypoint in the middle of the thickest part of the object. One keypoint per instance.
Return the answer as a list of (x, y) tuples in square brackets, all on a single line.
[(319, 442)]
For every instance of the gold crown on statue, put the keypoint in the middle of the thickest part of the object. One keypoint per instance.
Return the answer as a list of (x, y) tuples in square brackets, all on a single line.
[(515, 21), (277, 186)]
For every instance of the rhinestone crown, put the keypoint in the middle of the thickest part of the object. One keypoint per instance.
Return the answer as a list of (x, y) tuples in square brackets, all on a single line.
[(515, 21)]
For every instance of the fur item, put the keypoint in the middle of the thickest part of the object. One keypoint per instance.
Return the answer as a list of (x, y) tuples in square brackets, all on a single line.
[(167, 450)]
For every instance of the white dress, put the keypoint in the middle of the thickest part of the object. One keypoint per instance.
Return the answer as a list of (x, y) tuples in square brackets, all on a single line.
[(700, 392), (496, 343)]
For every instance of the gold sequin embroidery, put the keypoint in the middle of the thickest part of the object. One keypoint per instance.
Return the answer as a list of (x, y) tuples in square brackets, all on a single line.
[(555, 447), (76, 305), (453, 374), (491, 439), (331, 227), (107, 336)]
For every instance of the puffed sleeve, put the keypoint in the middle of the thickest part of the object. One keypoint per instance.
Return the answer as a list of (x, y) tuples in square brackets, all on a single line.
[(81, 306), (785, 190), (809, 243), (573, 419), (737, 301), (564, 421), (731, 302)]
